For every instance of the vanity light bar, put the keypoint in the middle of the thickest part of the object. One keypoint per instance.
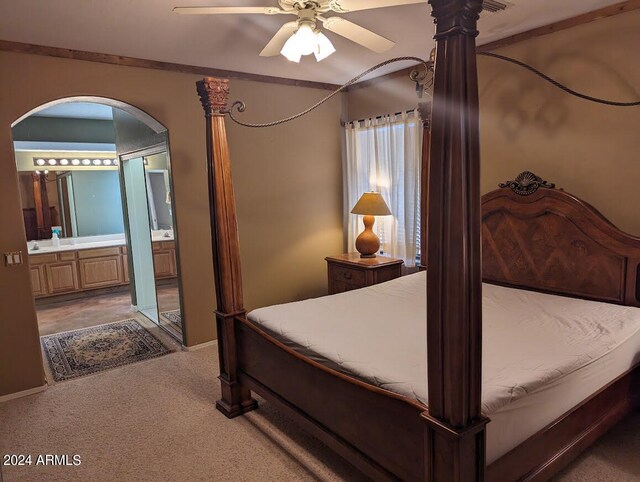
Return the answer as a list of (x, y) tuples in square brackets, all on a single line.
[(96, 162)]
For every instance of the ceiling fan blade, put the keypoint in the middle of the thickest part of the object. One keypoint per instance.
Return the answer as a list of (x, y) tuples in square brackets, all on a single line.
[(344, 6), (278, 40), (357, 34), (227, 10)]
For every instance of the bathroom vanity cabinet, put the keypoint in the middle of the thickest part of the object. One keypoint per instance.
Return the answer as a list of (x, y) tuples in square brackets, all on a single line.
[(69, 271)]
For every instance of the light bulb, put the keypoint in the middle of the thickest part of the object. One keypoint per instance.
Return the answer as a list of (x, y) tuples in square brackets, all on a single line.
[(306, 39), (324, 47), (40, 162), (291, 50), (75, 162)]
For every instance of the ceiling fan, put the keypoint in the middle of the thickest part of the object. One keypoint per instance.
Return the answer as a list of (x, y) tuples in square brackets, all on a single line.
[(302, 36)]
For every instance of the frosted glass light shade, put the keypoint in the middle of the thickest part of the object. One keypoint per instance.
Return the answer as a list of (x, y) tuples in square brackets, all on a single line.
[(291, 50), (306, 39), (324, 47)]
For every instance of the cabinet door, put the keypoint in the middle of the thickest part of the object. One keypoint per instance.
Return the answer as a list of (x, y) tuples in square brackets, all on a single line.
[(101, 272), (38, 282), (62, 277), (163, 264)]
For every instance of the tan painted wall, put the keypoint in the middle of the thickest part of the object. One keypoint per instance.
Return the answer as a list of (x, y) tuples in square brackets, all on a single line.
[(288, 187), (590, 150), (386, 97)]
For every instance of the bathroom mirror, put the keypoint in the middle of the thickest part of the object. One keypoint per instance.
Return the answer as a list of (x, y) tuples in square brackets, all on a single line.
[(87, 202)]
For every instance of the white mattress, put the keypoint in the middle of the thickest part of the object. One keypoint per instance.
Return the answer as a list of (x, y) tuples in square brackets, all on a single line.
[(542, 354)]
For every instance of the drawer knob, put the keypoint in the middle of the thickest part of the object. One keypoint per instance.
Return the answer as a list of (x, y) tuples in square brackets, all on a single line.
[(348, 275)]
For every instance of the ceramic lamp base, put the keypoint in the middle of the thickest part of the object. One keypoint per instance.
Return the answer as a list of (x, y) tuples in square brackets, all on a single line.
[(368, 243)]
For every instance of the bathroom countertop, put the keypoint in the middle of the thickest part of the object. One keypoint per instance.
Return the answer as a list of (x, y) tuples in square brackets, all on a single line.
[(46, 246)]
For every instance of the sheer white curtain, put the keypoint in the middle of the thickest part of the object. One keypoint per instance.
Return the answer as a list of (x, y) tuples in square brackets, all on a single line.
[(383, 155)]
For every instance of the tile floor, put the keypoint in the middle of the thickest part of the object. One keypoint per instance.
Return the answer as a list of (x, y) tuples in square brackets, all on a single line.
[(58, 316)]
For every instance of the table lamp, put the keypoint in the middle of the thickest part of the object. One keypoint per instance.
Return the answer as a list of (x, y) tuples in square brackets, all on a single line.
[(370, 204)]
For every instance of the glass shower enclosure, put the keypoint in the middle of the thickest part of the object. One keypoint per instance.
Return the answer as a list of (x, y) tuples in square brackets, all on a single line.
[(140, 248)]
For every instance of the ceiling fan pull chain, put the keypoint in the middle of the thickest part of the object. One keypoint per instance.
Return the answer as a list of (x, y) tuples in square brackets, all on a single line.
[(240, 106)]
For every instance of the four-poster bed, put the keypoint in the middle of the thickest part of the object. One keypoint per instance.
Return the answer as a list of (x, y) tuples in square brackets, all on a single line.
[(390, 435)]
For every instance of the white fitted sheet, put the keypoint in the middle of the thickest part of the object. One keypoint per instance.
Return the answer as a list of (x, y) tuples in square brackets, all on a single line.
[(542, 354)]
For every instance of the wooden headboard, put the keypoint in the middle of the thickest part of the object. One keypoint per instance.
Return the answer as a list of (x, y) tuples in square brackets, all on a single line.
[(537, 237)]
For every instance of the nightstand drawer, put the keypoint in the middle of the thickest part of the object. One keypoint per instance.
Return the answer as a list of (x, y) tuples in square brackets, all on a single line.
[(337, 286), (347, 275), (349, 271)]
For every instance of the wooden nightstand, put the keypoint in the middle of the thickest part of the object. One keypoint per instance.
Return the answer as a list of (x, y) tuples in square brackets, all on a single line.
[(350, 271)]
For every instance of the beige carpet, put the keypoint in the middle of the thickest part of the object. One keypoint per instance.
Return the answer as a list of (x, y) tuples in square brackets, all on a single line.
[(155, 420)]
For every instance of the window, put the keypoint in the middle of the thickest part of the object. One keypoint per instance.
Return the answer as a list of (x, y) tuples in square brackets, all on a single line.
[(383, 155)]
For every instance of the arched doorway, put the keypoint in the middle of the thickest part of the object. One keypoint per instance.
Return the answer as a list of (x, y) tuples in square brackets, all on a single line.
[(95, 181)]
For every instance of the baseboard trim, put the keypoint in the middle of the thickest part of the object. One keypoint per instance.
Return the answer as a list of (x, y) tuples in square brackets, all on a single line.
[(200, 346), (23, 393)]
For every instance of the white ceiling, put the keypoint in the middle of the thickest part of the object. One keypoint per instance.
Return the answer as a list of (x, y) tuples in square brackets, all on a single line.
[(78, 110), (148, 29)]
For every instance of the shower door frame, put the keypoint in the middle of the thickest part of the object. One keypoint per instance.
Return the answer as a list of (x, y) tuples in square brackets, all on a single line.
[(123, 157)]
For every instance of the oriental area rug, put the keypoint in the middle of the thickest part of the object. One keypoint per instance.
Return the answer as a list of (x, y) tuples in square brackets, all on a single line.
[(82, 352)]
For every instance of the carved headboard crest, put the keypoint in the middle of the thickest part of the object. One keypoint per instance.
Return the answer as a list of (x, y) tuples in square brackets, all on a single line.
[(526, 183)]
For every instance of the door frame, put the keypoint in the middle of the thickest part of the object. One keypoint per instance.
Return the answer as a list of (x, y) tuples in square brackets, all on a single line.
[(124, 157)]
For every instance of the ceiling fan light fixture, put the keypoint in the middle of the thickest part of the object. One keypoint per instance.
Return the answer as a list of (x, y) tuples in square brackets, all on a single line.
[(306, 41), (324, 47)]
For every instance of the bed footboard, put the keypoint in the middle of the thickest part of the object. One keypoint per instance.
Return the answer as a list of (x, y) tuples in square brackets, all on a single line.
[(377, 431), (550, 450)]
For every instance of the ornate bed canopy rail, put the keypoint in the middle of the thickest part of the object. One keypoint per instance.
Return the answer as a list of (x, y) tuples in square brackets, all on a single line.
[(541, 238)]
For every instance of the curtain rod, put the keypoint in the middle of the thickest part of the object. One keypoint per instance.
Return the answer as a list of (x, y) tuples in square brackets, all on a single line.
[(343, 123)]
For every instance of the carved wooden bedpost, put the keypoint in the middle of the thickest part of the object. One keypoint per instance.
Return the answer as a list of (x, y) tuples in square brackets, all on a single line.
[(425, 114), (214, 94), (455, 425)]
